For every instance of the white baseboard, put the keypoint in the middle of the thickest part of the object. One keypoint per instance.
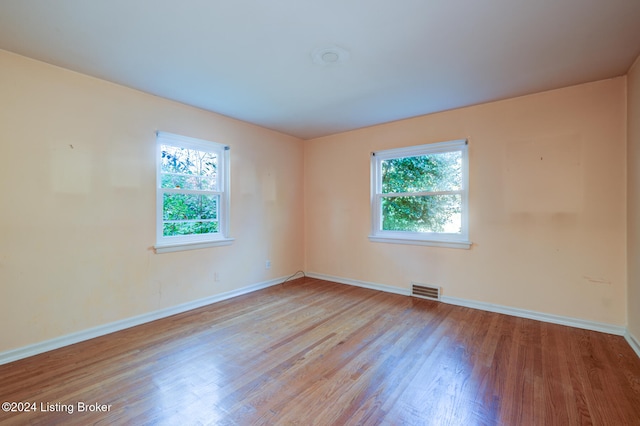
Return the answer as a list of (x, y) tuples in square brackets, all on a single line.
[(523, 313), (633, 341), (101, 330), (358, 283), (538, 316)]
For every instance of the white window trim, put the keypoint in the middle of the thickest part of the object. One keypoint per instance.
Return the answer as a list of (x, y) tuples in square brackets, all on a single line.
[(436, 239), (192, 242)]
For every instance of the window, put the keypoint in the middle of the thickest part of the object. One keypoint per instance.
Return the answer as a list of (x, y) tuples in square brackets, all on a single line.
[(419, 195), (192, 193)]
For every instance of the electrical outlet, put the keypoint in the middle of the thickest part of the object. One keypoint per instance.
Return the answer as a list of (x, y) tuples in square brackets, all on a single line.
[(216, 277), (267, 264)]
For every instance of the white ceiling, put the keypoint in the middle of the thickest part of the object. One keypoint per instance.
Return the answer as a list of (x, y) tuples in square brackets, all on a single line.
[(252, 59)]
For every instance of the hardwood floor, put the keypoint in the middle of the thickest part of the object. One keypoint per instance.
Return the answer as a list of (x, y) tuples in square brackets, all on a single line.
[(315, 352)]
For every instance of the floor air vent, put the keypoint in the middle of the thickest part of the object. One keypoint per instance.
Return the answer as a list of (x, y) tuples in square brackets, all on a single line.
[(425, 291)]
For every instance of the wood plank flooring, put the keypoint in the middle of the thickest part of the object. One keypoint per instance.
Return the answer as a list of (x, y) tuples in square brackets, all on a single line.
[(313, 352)]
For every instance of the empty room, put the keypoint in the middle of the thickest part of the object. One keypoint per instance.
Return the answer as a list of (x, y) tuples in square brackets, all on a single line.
[(320, 213)]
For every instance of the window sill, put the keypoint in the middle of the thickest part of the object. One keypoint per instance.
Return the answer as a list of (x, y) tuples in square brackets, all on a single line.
[(168, 248), (466, 245)]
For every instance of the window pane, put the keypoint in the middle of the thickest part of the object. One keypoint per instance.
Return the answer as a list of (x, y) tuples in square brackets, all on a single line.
[(189, 228), (189, 207), (432, 173), (435, 213), (188, 161), (189, 182)]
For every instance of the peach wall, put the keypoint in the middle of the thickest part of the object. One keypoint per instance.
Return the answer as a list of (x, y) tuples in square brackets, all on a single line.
[(77, 222), (633, 166), (547, 204)]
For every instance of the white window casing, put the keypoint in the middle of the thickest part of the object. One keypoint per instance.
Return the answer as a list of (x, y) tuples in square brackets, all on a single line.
[(219, 191), (430, 238)]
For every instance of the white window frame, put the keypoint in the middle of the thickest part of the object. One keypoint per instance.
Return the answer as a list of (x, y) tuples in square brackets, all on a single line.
[(439, 239), (196, 241)]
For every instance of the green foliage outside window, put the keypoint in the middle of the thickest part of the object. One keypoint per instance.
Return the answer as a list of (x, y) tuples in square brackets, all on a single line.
[(418, 203), (190, 176)]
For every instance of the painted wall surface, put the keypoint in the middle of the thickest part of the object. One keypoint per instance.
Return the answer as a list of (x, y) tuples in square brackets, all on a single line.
[(547, 204), (633, 202), (77, 216)]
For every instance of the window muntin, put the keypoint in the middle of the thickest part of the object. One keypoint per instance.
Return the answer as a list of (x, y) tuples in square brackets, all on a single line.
[(419, 195), (193, 191)]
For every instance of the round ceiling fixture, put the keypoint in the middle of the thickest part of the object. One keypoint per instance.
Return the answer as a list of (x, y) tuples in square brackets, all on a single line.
[(329, 56)]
